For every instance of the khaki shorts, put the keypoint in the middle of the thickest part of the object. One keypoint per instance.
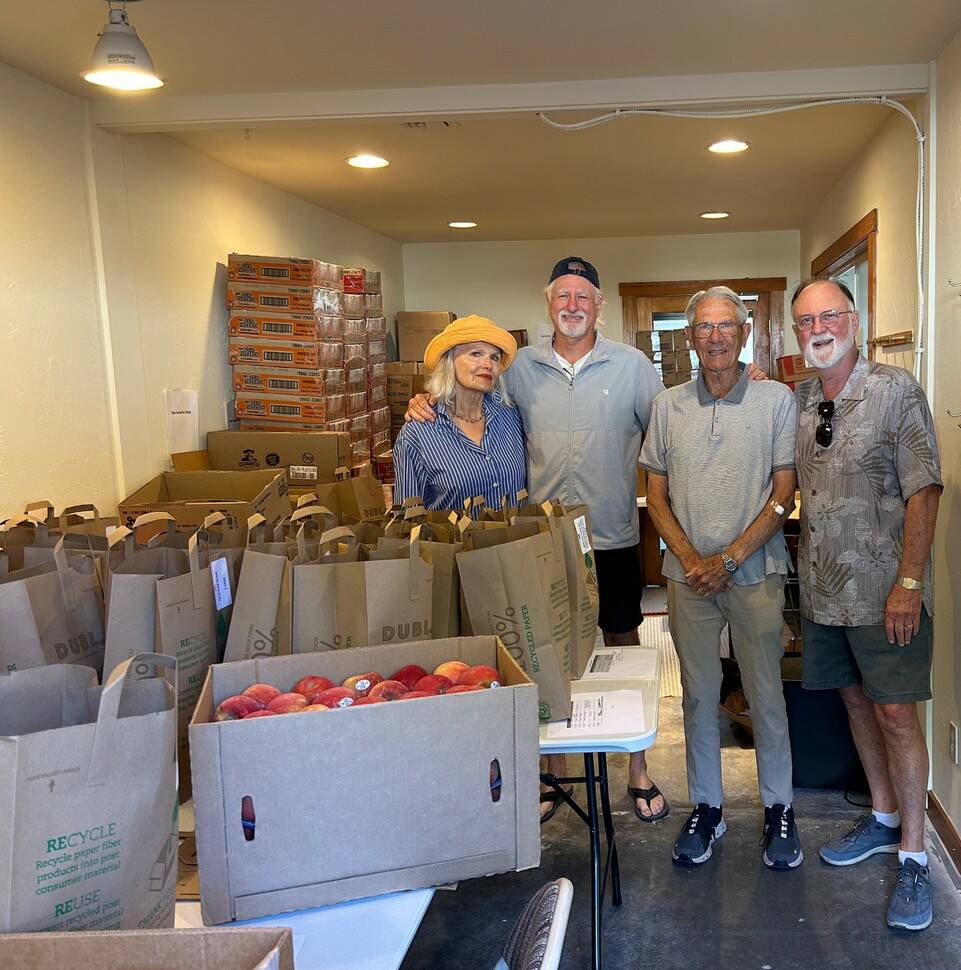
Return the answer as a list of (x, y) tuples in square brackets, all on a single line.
[(841, 656)]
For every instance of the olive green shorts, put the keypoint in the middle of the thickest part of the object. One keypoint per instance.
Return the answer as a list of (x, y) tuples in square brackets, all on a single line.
[(841, 656)]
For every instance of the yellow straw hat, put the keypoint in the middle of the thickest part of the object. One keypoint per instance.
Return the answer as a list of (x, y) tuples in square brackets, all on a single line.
[(465, 331)]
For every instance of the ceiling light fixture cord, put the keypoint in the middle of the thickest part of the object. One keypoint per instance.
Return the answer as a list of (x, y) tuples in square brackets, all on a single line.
[(882, 100)]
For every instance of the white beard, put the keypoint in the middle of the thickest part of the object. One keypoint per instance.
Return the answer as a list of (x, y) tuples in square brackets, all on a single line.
[(838, 350), (573, 325)]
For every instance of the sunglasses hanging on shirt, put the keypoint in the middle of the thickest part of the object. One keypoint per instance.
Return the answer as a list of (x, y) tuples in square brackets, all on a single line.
[(824, 433)]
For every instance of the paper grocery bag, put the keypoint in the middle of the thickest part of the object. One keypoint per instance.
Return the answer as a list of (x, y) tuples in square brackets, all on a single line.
[(517, 590), (88, 795), (52, 614), (574, 523), (360, 498), (343, 604)]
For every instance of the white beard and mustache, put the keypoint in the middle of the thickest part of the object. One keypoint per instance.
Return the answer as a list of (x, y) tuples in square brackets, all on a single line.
[(840, 347), (572, 325)]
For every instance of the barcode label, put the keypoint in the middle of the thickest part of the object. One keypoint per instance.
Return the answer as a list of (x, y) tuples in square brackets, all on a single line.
[(274, 301), (279, 272), (279, 385), (290, 409), (278, 328), (303, 473), (602, 662), (278, 355)]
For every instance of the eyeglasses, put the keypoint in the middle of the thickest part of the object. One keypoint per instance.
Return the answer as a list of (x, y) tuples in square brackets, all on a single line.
[(727, 327), (824, 433), (828, 318)]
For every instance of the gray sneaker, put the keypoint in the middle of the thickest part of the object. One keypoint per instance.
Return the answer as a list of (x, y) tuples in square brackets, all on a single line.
[(782, 847), (868, 837), (911, 907)]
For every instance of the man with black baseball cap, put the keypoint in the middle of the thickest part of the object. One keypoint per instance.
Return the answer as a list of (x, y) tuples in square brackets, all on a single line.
[(585, 402)]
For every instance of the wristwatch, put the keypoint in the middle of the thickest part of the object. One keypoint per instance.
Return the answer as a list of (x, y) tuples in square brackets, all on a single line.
[(907, 583), (730, 563), (777, 507)]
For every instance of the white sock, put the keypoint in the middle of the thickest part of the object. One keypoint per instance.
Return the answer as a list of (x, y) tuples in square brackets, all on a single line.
[(891, 819), (921, 858)]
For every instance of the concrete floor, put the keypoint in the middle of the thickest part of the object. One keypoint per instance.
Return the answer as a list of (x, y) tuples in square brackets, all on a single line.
[(732, 913)]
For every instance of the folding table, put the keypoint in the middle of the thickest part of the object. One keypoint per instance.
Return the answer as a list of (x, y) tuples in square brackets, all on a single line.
[(621, 675)]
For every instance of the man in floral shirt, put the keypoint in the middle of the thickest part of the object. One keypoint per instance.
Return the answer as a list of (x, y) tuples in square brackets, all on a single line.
[(867, 466)]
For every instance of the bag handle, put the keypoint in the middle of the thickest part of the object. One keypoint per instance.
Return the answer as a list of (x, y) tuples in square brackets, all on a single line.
[(201, 537), (337, 534), (45, 504), (256, 528), (24, 519), (133, 668), (308, 498), (149, 518), (419, 569), (77, 510), (64, 575)]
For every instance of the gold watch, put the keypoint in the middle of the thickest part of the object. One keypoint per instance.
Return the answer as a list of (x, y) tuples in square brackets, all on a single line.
[(907, 583)]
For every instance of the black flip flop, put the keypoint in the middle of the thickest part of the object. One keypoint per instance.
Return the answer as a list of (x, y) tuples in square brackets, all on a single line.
[(648, 794), (555, 798)]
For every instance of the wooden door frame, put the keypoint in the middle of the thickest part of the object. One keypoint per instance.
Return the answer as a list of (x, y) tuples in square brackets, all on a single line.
[(769, 316), (860, 240)]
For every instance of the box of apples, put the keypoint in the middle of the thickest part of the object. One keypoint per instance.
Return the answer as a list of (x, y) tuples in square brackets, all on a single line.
[(339, 791)]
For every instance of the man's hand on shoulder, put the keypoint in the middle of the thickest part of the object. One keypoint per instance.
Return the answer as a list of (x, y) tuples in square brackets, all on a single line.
[(421, 408), (755, 373)]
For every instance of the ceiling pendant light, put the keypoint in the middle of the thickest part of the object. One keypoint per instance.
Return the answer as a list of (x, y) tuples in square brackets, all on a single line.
[(120, 60), (728, 146)]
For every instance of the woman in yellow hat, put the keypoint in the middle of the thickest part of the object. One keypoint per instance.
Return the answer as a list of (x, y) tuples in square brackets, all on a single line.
[(476, 445)]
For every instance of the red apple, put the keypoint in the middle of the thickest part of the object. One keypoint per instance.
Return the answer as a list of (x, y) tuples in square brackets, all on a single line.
[(264, 713), (287, 703), (451, 669), (361, 684), (310, 685), (236, 707), (464, 688), (334, 697), (481, 674), (361, 701), (409, 675), (387, 690), (264, 693), (434, 684), (411, 694)]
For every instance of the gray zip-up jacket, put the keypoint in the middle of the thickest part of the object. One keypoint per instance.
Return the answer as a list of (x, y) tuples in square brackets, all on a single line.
[(584, 435)]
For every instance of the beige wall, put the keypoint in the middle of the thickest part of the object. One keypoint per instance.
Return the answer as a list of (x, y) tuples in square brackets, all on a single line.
[(54, 428), (946, 303), (505, 280), (883, 178)]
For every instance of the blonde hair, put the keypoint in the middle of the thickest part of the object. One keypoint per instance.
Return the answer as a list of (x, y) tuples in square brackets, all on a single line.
[(599, 302), (442, 381)]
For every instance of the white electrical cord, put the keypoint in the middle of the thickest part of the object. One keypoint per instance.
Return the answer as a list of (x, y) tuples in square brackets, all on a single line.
[(780, 109)]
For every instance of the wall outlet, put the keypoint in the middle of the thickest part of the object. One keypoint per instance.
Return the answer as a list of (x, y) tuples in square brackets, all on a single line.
[(953, 742)]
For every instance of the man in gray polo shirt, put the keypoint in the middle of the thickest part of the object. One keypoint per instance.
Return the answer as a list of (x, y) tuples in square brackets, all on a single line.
[(720, 457)]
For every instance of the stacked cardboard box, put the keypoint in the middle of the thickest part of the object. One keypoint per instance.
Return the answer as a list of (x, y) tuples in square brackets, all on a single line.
[(668, 351), (793, 369), (404, 379)]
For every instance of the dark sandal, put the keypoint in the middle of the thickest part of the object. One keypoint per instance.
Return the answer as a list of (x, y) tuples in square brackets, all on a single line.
[(648, 794), (554, 798)]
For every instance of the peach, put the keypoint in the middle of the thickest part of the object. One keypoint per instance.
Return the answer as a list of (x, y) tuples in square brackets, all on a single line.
[(361, 701), (464, 688), (334, 697), (361, 683), (481, 674), (434, 684), (314, 707), (287, 703), (236, 707), (411, 694), (264, 693), (310, 685), (451, 669), (387, 690), (264, 713), (409, 675)]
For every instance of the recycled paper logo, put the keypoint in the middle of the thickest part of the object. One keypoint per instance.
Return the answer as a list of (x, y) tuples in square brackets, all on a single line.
[(544, 712), (166, 861)]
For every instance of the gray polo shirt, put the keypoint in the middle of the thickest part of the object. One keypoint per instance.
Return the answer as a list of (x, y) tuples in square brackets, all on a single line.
[(719, 456)]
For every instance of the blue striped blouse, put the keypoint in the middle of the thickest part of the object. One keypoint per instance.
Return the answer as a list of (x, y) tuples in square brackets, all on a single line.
[(439, 463)]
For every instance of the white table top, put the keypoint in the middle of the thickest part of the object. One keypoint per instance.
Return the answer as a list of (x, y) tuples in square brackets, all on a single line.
[(646, 662), (366, 934)]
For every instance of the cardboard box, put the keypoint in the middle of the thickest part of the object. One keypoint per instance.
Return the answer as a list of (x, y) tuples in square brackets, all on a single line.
[(301, 327), (240, 948), (282, 270), (191, 496), (275, 381), (320, 836), (657, 341), (273, 353), (676, 360), (307, 457), (260, 296), (415, 330), (794, 368), (301, 411)]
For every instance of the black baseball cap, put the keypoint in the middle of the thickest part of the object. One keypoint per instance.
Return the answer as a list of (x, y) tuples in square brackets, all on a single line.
[(575, 266)]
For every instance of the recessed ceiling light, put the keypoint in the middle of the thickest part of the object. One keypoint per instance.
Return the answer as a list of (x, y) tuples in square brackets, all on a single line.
[(462, 225), (729, 146), (367, 161), (120, 60), (715, 215)]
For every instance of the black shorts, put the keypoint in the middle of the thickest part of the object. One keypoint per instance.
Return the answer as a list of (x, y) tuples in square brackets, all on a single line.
[(619, 588)]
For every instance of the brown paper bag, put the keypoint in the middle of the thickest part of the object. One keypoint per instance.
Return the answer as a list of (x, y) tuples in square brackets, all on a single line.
[(339, 604), (52, 614), (88, 794), (357, 498), (517, 589)]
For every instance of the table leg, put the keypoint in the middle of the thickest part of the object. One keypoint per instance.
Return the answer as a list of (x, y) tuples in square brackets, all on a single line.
[(594, 826), (609, 831)]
